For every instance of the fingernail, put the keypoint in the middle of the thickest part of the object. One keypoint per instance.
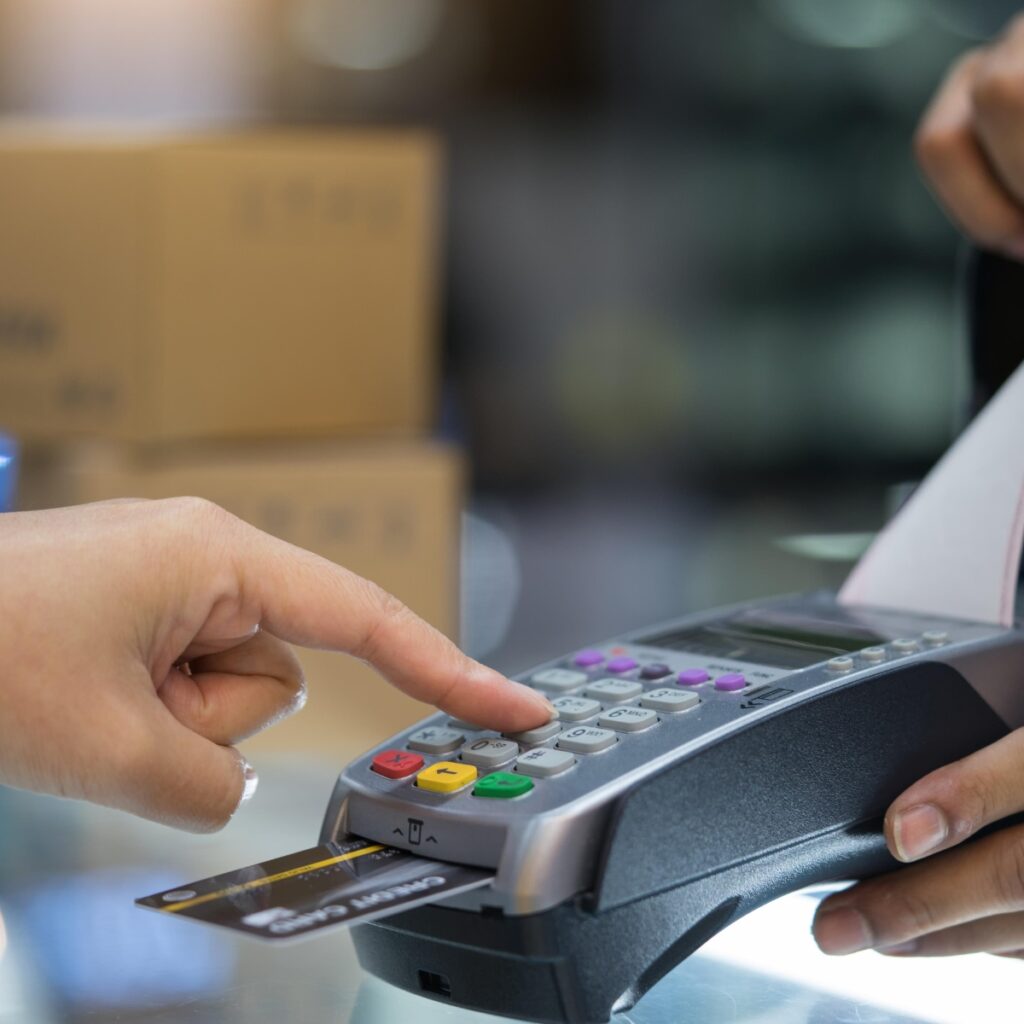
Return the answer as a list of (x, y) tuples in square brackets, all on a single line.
[(540, 699), (900, 949), (842, 931), (250, 780), (919, 830), (549, 708)]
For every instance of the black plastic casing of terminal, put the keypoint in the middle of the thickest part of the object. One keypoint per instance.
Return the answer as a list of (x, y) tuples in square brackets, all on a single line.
[(794, 799)]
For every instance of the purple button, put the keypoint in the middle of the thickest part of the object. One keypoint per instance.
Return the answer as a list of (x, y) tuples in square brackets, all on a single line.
[(731, 681), (588, 658), (654, 671), (692, 676), (620, 664)]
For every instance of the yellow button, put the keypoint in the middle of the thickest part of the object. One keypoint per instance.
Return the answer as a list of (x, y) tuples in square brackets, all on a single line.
[(446, 777)]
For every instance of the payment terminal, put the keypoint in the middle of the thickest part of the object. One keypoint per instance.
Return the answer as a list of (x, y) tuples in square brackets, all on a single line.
[(702, 767), (696, 771)]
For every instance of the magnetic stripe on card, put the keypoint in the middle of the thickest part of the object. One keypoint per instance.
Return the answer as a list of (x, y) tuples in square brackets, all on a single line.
[(268, 879)]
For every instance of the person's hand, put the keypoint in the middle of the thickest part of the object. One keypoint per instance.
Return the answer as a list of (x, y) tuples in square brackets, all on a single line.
[(957, 899), (141, 639), (970, 143)]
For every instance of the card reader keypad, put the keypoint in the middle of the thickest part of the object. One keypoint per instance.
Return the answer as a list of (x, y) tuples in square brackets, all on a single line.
[(600, 700), (596, 710), (592, 717)]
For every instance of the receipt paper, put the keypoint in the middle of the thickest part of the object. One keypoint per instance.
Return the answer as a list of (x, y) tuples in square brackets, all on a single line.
[(954, 548)]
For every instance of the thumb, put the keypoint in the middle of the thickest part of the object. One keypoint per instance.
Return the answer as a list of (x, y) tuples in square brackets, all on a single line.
[(179, 778), (955, 801)]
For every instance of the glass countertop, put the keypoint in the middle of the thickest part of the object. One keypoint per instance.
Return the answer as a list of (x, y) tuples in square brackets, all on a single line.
[(74, 948)]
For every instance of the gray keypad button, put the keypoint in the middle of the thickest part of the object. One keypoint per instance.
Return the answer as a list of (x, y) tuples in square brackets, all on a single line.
[(538, 735), (628, 719), (935, 637), (543, 762), (613, 689), (667, 699), (436, 740), (558, 679), (585, 739), (489, 753), (575, 709)]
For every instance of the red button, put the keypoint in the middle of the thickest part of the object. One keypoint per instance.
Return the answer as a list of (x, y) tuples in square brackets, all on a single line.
[(396, 764)]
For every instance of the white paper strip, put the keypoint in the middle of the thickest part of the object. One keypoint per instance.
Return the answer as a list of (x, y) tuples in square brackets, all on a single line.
[(954, 549)]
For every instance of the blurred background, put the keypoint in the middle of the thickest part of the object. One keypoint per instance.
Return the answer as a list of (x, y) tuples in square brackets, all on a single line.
[(554, 318)]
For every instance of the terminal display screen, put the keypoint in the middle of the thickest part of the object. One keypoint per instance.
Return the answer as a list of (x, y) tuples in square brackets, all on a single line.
[(778, 638)]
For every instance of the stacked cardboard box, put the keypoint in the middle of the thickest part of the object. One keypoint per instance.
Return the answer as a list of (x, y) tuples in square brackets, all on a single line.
[(249, 318), (250, 286)]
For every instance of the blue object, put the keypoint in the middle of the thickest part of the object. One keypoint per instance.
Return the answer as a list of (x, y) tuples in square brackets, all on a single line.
[(8, 471), (110, 956)]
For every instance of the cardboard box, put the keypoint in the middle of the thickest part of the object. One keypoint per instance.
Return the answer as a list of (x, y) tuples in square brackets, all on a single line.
[(261, 284), (388, 511)]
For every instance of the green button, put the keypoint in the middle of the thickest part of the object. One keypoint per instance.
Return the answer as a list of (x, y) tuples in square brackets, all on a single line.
[(502, 784)]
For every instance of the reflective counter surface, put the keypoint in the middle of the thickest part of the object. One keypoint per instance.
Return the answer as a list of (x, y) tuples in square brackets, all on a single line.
[(73, 947)]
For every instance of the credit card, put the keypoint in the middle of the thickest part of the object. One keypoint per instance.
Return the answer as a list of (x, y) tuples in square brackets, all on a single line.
[(328, 886)]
